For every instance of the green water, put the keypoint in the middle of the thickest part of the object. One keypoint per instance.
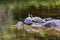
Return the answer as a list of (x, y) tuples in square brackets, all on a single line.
[(8, 32), (11, 33)]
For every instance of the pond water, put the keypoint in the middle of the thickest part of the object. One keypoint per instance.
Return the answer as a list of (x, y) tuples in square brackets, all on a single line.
[(10, 32)]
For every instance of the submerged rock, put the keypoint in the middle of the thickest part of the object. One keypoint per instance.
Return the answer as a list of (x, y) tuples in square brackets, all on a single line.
[(55, 24)]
